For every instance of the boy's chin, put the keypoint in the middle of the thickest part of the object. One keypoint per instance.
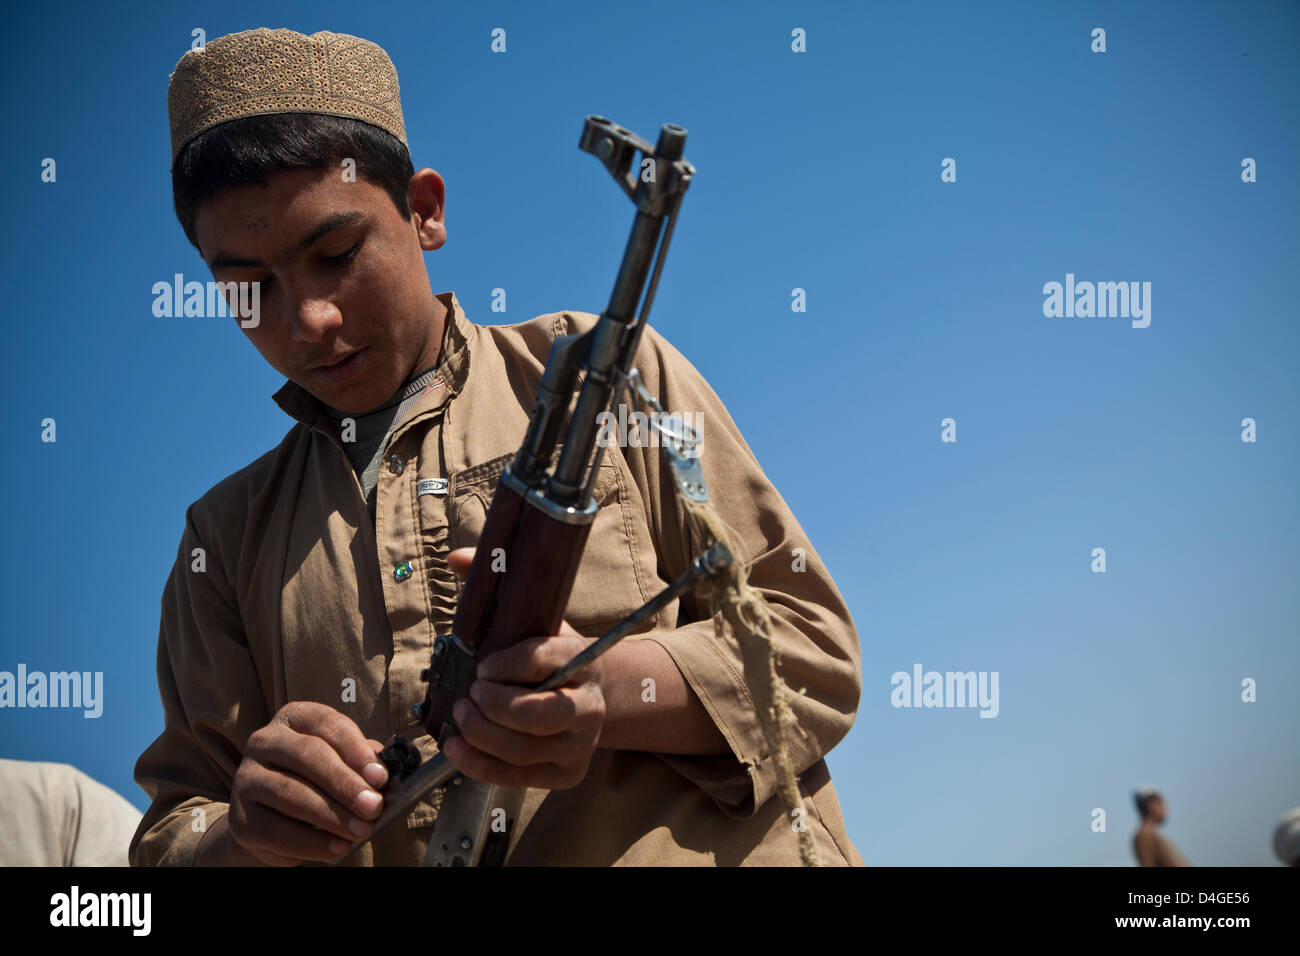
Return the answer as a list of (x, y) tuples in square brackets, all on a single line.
[(360, 393), (352, 400)]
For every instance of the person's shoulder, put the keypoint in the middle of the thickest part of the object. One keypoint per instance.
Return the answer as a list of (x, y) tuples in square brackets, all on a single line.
[(228, 504), (660, 364), (40, 775), (536, 335), (48, 781), (63, 780)]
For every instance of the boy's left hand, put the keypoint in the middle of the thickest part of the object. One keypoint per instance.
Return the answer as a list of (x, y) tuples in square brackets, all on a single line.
[(515, 737)]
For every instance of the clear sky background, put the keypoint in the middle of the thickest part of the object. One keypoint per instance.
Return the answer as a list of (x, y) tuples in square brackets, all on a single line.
[(821, 171)]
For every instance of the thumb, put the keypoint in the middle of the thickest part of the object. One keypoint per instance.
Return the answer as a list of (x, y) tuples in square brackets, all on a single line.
[(460, 560)]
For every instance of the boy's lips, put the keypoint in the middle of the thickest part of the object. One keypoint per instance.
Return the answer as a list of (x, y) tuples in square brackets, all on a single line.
[(343, 370)]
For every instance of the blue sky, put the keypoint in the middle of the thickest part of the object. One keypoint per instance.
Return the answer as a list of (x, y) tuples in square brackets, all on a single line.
[(821, 171)]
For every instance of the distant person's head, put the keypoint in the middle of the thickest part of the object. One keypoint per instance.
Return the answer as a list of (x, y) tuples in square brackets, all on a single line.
[(1150, 805), (1286, 838)]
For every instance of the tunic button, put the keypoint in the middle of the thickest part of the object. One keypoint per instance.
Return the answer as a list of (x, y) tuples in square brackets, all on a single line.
[(396, 465), (402, 571)]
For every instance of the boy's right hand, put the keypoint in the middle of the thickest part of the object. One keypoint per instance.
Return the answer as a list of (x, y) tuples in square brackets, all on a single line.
[(305, 790)]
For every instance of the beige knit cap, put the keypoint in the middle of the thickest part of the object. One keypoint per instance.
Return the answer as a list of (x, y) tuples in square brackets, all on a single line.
[(281, 71)]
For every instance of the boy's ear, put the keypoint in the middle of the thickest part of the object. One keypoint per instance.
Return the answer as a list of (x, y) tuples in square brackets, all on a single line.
[(426, 193)]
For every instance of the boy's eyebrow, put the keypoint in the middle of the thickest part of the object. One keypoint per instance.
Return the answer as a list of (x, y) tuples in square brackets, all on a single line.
[(334, 221), (331, 222)]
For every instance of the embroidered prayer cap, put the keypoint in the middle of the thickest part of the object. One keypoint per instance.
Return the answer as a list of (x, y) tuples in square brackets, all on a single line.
[(282, 71)]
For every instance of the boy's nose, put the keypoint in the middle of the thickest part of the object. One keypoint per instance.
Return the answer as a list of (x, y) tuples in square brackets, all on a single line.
[(315, 318)]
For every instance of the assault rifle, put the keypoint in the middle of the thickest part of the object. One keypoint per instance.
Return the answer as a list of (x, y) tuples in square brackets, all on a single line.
[(542, 518)]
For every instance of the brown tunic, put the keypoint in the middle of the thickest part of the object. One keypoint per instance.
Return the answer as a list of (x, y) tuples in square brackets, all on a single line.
[(298, 600)]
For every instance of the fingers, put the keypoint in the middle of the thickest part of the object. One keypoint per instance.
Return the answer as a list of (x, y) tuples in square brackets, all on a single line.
[(507, 728), (306, 787), (533, 660), (514, 736), (480, 766), (540, 713), (266, 834), (460, 559), (290, 784), (344, 737), (375, 772), (326, 749)]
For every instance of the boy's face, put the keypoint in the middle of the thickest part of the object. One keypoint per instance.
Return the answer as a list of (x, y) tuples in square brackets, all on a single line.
[(342, 278), (1157, 811)]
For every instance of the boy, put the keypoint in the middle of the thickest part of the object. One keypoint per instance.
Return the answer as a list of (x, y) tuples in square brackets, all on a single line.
[(309, 585)]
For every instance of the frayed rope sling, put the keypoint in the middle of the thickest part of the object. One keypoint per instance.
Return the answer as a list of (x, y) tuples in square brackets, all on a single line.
[(738, 605)]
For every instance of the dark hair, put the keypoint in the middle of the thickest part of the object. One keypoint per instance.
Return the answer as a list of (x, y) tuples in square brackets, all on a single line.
[(245, 151), (1143, 800)]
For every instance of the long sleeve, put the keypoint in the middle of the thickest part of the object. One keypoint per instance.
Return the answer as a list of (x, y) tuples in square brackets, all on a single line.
[(212, 701), (814, 634)]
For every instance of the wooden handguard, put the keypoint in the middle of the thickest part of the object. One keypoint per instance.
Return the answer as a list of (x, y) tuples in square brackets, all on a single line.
[(518, 587)]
